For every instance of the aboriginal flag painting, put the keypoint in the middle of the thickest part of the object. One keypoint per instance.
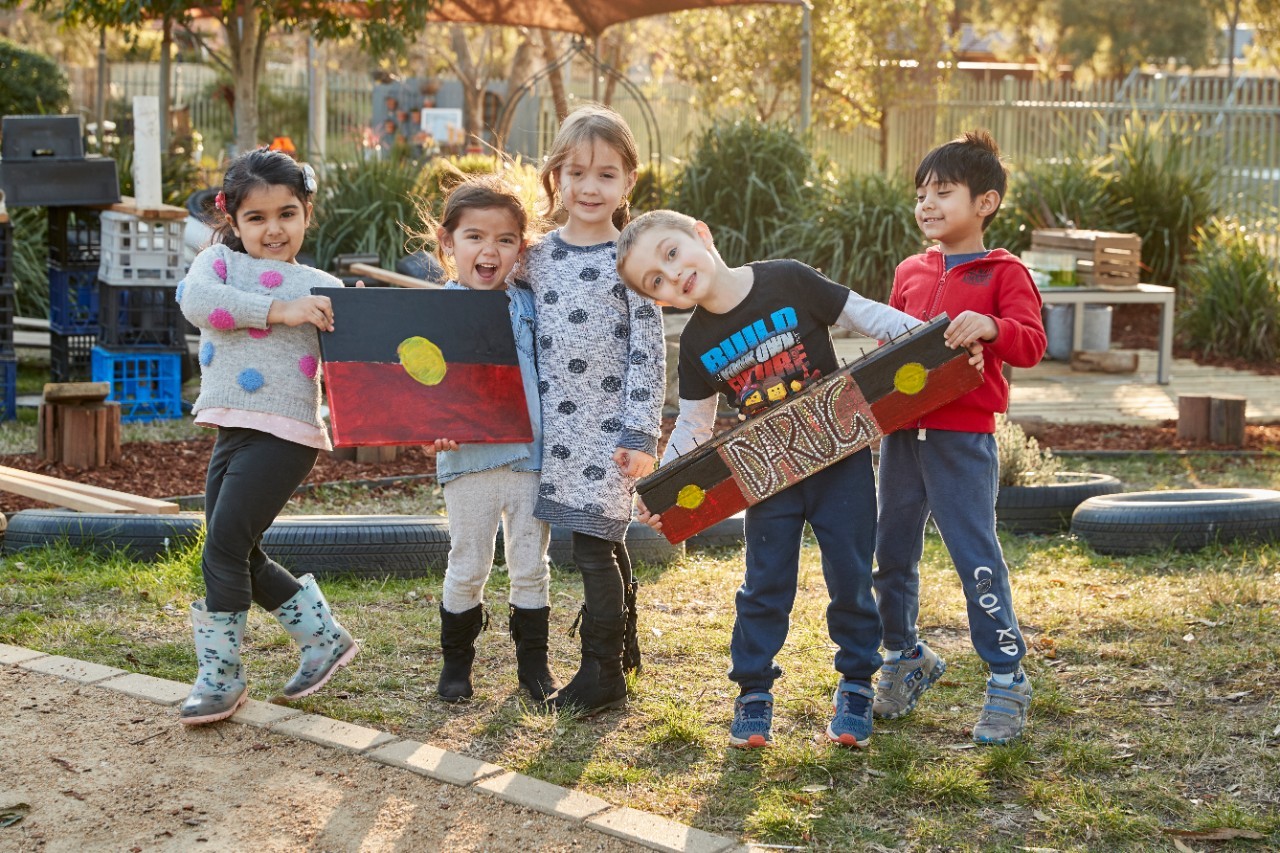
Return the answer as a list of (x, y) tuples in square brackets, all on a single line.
[(827, 421), (411, 366)]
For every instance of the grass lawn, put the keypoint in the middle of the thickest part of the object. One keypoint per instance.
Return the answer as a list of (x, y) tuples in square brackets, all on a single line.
[(1155, 711)]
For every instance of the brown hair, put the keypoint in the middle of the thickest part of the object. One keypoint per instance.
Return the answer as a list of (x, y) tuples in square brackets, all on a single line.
[(585, 125), (635, 229), (474, 192)]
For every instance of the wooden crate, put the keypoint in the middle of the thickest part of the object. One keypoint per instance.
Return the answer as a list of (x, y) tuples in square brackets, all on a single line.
[(1104, 259)]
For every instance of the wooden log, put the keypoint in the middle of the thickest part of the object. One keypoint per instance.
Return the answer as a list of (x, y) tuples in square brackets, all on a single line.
[(1226, 420), (137, 503), (76, 392), (63, 495), (1193, 417), (380, 453), (1098, 361), (80, 435)]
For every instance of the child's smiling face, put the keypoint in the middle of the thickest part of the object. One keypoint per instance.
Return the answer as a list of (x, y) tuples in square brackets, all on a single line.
[(948, 213), (485, 245), (671, 266), (271, 221), (593, 182)]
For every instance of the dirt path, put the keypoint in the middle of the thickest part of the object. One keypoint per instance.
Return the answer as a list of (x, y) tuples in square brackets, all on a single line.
[(99, 770)]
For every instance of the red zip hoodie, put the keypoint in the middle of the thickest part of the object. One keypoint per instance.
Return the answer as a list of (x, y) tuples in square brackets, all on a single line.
[(997, 285)]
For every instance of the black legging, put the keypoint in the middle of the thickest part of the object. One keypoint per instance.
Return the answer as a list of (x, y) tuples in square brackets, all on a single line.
[(251, 476), (606, 570)]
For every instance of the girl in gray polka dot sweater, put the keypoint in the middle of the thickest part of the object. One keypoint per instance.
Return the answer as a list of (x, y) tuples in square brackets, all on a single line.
[(260, 388)]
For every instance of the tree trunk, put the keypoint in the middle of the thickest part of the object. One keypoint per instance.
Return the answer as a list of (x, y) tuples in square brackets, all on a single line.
[(550, 53), (243, 40), (521, 70), (473, 85), (166, 52)]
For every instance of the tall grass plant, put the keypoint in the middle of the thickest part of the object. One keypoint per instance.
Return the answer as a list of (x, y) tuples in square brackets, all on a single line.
[(1231, 296)]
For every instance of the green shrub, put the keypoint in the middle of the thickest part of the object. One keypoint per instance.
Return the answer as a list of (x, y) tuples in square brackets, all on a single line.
[(1023, 462), (653, 189), (30, 260), (1230, 296), (1071, 192), (366, 206), (747, 180), (1166, 190), (30, 83), (866, 228)]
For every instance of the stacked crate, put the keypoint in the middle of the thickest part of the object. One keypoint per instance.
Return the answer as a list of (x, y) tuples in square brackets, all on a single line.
[(8, 356), (75, 250), (142, 333)]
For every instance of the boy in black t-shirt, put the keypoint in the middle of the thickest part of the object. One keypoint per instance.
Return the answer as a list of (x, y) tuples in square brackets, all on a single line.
[(751, 326)]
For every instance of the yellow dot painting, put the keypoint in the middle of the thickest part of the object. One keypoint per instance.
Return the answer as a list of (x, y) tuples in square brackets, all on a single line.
[(910, 378), (422, 360), (691, 497)]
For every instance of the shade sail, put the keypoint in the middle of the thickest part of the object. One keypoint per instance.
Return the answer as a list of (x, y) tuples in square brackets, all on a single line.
[(584, 17)]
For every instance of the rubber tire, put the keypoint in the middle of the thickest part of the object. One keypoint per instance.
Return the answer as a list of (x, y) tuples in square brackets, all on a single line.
[(729, 533), (1182, 519), (139, 537), (1047, 509), (644, 545), (369, 546), (377, 546)]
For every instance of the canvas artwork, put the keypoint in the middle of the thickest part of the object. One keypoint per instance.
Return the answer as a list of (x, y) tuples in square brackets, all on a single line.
[(805, 432), (411, 366)]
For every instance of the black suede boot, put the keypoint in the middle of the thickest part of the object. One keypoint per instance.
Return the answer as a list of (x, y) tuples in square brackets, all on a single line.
[(529, 630), (631, 639), (599, 683), (458, 632)]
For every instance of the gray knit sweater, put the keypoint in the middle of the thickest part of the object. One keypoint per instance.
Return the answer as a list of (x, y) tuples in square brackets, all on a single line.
[(244, 363)]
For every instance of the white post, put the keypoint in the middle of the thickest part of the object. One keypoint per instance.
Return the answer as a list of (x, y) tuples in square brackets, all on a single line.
[(806, 66), (317, 111), (147, 186)]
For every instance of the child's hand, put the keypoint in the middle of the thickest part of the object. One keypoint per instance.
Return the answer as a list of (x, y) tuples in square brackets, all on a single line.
[(644, 517), (968, 327), (440, 444), (316, 310), (634, 463), (976, 359)]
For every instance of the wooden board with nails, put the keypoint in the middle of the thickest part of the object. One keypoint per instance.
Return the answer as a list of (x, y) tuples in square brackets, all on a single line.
[(831, 419)]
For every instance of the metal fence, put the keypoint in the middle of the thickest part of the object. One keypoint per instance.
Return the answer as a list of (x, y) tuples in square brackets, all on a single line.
[(1235, 124)]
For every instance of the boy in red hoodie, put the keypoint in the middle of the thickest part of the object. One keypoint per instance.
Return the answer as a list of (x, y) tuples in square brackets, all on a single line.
[(946, 464)]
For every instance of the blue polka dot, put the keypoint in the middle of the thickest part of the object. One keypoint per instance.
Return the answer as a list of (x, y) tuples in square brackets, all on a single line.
[(206, 353), (250, 380), (177, 294)]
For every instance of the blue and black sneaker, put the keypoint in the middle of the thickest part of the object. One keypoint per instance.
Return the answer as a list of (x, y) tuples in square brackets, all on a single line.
[(851, 724), (752, 726)]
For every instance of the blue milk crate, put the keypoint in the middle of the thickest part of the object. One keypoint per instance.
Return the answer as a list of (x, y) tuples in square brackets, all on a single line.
[(8, 303), (73, 300), (8, 387), (146, 383)]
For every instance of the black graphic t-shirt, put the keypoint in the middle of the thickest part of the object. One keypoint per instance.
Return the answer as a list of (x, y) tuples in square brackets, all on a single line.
[(772, 344)]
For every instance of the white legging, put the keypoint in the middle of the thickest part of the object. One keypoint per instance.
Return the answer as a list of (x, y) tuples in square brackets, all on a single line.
[(476, 503)]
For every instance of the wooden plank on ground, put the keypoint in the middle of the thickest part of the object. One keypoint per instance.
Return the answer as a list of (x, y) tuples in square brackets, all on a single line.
[(135, 502), (389, 277), (62, 497), (76, 392)]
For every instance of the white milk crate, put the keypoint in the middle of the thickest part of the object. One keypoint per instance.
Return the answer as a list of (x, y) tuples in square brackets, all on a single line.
[(140, 251)]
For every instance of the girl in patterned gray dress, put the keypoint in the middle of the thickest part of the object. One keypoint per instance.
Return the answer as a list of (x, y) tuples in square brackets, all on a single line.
[(601, 367)]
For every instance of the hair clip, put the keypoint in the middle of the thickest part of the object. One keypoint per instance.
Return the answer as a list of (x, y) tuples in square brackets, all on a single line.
[(309, 178), (220, 201)]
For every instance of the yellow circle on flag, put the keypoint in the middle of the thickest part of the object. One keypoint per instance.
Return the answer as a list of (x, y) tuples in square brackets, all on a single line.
[(422, 360), (910, 378), (691, 497)]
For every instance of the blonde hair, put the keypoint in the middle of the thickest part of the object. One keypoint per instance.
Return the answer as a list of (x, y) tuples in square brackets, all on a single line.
[(672, 219), (474, 192), (584, 126)]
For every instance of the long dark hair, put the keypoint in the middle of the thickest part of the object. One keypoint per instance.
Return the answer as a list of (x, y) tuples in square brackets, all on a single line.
[(249, 171)]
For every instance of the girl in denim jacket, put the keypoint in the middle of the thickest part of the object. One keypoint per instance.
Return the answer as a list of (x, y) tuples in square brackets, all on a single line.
[(480, 236)]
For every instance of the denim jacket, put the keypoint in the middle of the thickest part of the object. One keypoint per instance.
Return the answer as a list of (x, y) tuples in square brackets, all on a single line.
[(470, 458)]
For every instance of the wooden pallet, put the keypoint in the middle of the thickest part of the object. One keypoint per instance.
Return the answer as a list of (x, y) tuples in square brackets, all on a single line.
[(1105, 259)]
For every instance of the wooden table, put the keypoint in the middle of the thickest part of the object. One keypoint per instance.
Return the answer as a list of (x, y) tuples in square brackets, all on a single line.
[(1143, 294)]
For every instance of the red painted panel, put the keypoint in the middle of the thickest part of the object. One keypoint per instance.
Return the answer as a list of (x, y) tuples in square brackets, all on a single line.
[(378, 404), (721, 501), (946, 383)]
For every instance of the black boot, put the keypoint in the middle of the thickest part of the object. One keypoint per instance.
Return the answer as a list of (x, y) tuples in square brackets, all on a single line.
[(529, 630), (598, 684), (631, 641), (458, 632)]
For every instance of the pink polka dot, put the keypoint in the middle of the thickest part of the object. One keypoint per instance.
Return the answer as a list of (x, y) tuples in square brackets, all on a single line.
[(307, 364), (220, 267), (259, 333), (220, 318), (271, 278)]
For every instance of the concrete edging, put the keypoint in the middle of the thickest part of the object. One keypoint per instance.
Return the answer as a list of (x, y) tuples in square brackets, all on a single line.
[(585, 810)]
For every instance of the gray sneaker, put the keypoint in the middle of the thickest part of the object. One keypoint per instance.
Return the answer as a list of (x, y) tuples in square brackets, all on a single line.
[(1004, 715), (902, 681)]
